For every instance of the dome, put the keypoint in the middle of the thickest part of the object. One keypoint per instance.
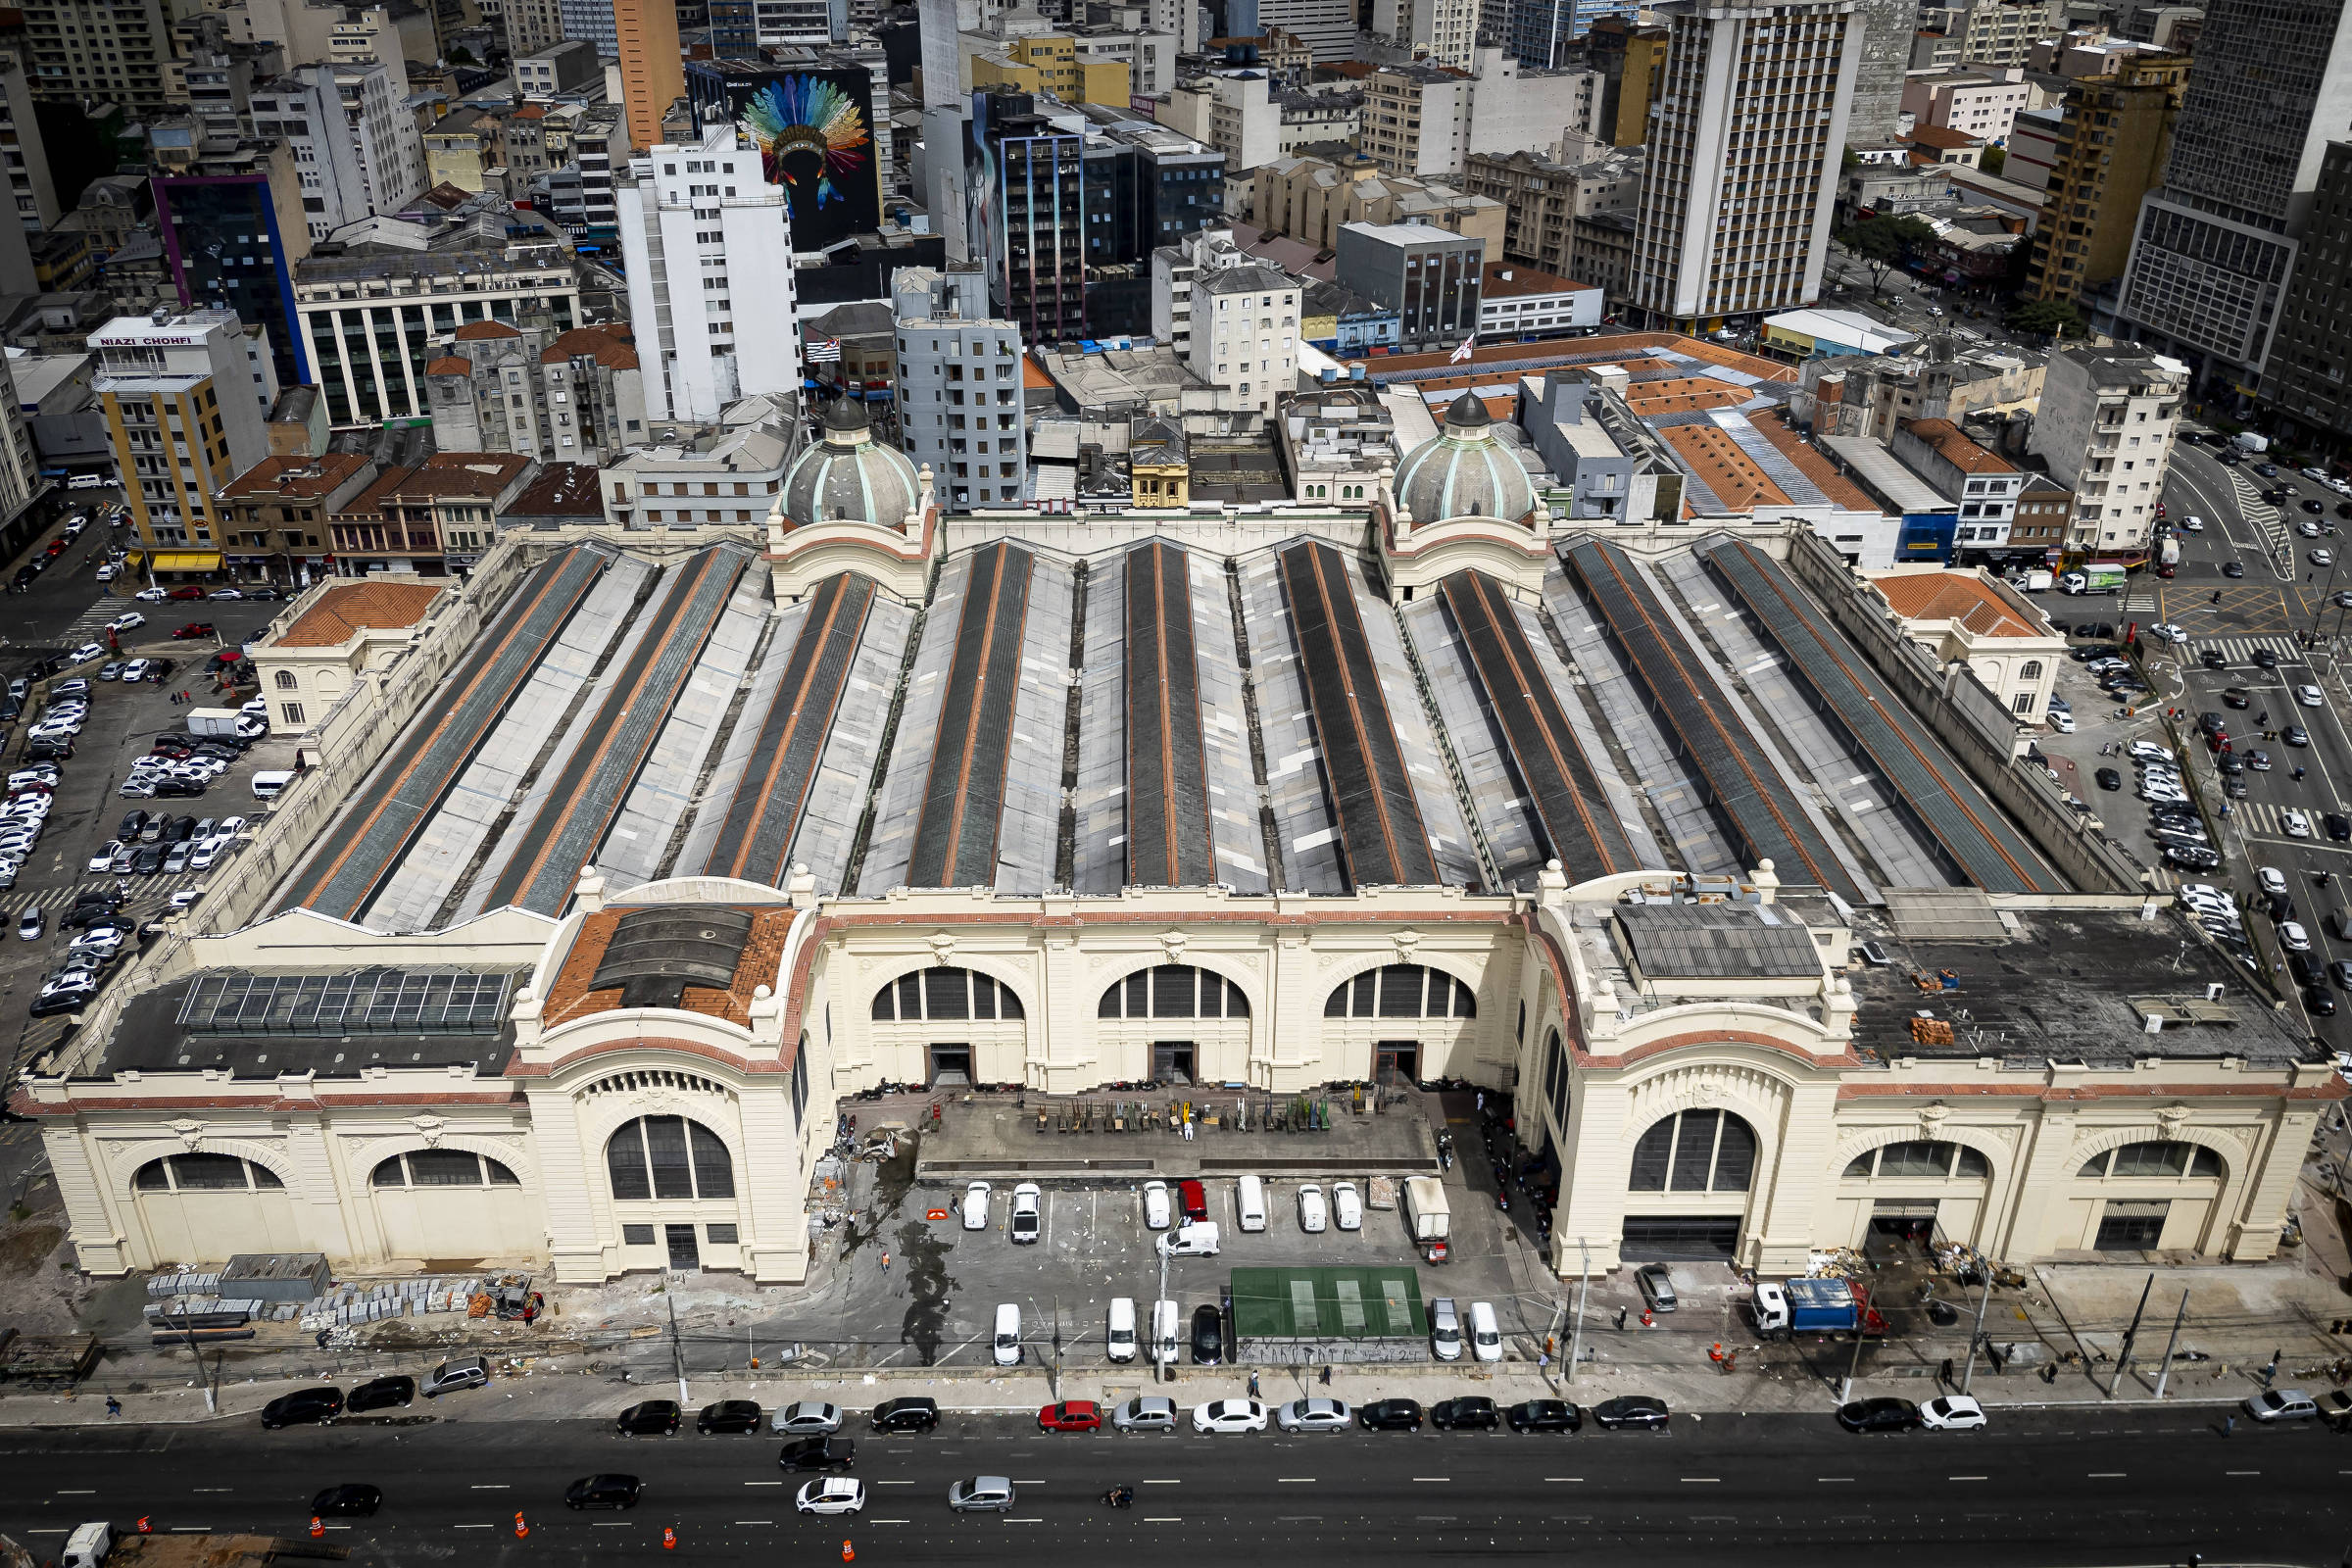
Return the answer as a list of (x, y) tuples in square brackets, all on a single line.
[(1465, 472), (847, 474)]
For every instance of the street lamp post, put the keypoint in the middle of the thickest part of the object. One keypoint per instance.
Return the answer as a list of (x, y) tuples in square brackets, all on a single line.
[(1584, 1292)]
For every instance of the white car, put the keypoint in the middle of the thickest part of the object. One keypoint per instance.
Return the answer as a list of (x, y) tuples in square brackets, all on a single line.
[(1315, 1416), (1313, 1213), (1347, 1206), (831, 1495), (2281, 1404), (1952, 1412), (225, 593), (1229, 1415), (2272, 879), (105, 573), (2309, 695), (88, 653), (2148, 752), (1158, 1211), (807, 1418), (186, 897), (2192, 524), (154, 596), (2172, 631), (230, 827), (2063, 724), (975, 1205), (2309, 530), (137, 669), (1028, 1212), (2323, 558), (2298, 825), (128, 620), (105, 941), (2293, 938)]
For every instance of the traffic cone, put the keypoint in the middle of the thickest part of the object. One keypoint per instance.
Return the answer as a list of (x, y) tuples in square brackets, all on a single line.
[(520, 1529), (848, 1554), (318, 1527), (1648, 1321), (144, 1526), (669, 1538)]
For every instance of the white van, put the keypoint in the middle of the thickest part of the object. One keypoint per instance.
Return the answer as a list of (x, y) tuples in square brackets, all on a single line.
[(1119, 1340), (1444, 1329), (1486, 1336), (1166, 1333), (270, 786), (1195, 1237), (1250, 1202), (88, 1544), (1008, 1336)]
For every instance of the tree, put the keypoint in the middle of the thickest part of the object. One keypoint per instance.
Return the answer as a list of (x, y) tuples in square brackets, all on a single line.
[(1995, 159), (1874, 243), (2054, 318), (460, 56)]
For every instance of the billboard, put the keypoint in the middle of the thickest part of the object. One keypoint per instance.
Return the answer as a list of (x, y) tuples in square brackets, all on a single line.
[(814, 130)]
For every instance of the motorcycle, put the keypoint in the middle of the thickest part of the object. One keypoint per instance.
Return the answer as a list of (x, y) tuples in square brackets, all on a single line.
[(1444, 1151), (1121, 1496)]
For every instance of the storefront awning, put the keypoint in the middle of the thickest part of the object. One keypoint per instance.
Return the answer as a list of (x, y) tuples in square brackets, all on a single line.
[(186, 561)]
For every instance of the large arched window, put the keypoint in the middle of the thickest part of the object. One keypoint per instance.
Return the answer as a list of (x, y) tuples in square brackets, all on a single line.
[(941, 995), (204, 1173), (442, 1167), (1401, 991), (1898, 1161), (2154, 1159), (1173, 990), (668, 1157), (1555, 1078), (1695, 1151)]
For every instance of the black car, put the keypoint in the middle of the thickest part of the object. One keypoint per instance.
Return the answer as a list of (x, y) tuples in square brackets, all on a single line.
[(72, 1000), (913, 1413), (2229, 763), (2338, 826), (2210, 722), (1639, 1410), (2109, 779), (2293, 735), (1544, 1415), (2211, 659), (653, 1418), (2307, 970), (179, 788), (1879, 1415), (2230, 569), (1208, 1337), (2266, 658), (56, 751), (1470, 1410), (352, 1500), (728, 1415), (604, 1492), (2237, 696), (2320, 1002), (818, 1453), (134, 824), (2190, 858), (2315, 508), (150, 861), (182, 829), (301, 1407), (1390, 1415), (382, 1394)]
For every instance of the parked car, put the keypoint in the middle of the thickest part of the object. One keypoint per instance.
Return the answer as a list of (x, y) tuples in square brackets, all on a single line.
[(1028, 1217), (651, 1418), (473, 1372), (1952, 1412), (1208, 1337), (1347, 1206), (2281, 1404), (1544, 1415), (1468, 1410), (389, 1393), (1879, 1415), (1315, 1416), (806, 1418), (302, 1408), (1633, 1410), (975, 1206), (912, 1412), (1070, 1415), (1656, 1286), (1149, 1412), (728, 1416), (1390, 1415), (1228, 1416), (1157, 1213)]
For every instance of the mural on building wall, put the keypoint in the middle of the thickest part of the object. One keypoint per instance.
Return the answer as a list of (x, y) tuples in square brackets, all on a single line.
[(812, 131)]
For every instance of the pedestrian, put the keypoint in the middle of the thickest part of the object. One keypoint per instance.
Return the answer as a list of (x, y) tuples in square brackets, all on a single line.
[(1482, 1101), (1621, 1320), (885, 1262), (114, 1406), (2229, 1425), (1542, 1360), (1253, 1385), (1326, 1377)]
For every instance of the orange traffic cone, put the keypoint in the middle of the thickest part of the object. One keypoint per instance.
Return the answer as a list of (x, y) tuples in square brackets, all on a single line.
[(669, 1538), (318, 1527), (520, 1529), (848, 1554), (144, 1526), (1648, 1321)]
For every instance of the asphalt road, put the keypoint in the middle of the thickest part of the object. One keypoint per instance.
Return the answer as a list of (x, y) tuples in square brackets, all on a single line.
[(2061, 1485)]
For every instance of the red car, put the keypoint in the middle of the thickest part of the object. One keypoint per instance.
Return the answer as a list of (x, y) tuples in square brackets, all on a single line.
[(1194, 1199), (185, 593), (194, 629), (1070, 1415)]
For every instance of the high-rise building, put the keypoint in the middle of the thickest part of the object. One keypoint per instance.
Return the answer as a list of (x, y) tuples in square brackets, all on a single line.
[(1328, 27), (2108, 152), (589, 21), (653, 73), (97, 50), (185, 397), (2105, 428), (1631, 58), (232, 228), (356, 146), (1884, 31), (1245, 335), (2270, 85), (30, 188), (1028, 223), (707, 246), (1443, 33), (1739, 172), (562, 397), (1428, 276), (1544, 33), (1425, 121), (958, 382), (2303, 380)]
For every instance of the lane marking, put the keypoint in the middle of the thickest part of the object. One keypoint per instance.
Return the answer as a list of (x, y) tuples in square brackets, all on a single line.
[(471, 1527), (1027, 1519), (492, 1486), (886, 1521), (779, 1483), (1702, 1480), (1563, 1478), (878, 1482), (211, 1489), (755, 1521), (1293, 1481), (612, 1524), (79, 1492), (1162, 1519), (1834, 1480), (2241, 1472), (1965, 1478), (1163, 1483), (2107, 1475), (1432, 1478), (191, 1530)]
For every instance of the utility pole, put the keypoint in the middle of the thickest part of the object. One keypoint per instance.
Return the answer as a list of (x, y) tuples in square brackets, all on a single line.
[(2166, 1371), (1854, 1366), (678, 1351), (202, 1378), (1584, 1292), (2122, 1356), (1159, 1364), (1976, 1336)]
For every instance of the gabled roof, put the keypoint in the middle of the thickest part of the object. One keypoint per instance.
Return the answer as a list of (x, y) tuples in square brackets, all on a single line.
[(476, 331), (601, 344), (1954, 596), (342, 613)]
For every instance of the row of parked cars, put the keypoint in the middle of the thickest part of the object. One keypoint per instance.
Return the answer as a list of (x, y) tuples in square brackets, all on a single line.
[(181, 767)]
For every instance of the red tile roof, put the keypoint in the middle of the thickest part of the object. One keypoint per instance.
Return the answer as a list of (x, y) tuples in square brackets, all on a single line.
[(602, 344), (449, 364), (1960, 596), (294, 478), (474, 331), (343, 612)]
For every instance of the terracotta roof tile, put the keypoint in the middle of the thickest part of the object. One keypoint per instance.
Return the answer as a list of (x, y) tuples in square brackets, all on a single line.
[(473, 331), (294, 478), (449, 364), (570, 998), (1812, 465), (343, 612), (1956, 449), (1959, 596), (595, 343), (1723, 469)]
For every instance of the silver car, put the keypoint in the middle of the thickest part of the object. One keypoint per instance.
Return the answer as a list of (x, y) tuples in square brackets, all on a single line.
[(981, 1494), (1149, 1412), (1315, 1416), (808, 1418)]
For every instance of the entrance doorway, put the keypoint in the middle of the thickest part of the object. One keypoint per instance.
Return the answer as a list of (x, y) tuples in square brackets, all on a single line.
[(950, 1066), (1680, 1238), (683, 1254), (1172, 1061), (1899, 1228), (1394, 1061), (2132, 1227)]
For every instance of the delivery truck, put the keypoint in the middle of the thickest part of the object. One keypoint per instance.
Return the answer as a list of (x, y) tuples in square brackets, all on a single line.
[(2248, 441), (1427, 1219), (2092, 580), (2167, 555), (1815, 1306), (226, 723)]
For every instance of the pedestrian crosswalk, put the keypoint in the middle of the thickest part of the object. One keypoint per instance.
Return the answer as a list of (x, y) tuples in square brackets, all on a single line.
[(2261, 819), (2266, 518), (2140, 600), (146, 892), (2240, 650)]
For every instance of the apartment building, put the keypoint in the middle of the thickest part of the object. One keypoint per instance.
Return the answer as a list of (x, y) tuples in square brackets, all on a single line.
[(102, 50), (1543, 198), (32, 191), (2105, 429), (356, 145), (959, 388), (528, 387), (1984, 483), (1246, 336), (185, 414), (1975, 102), (724, 476), (1424, 121), (2107, 151), (1428, 276), (1443, 32), (434, 519), (1310, 198), (274, 516)]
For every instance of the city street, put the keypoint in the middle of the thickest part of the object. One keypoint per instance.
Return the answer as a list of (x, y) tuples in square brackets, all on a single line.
[(2060, 1486)]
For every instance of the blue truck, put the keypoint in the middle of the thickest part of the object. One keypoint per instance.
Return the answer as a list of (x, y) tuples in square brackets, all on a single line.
[(1815, 1306)]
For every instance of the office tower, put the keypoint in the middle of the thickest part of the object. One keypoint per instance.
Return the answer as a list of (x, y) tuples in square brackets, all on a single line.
[(707, 245), (651, 73), (1887, 28), (2303, 379), (1440, 31), (590, 22), (355, 144), (232, 229), (1028, 219), (1632, 61), (95, 50), (2269, 83), (1328, 27), (2114, 133), (1739, 171), (33, 195), (185, 415), (958, 385)]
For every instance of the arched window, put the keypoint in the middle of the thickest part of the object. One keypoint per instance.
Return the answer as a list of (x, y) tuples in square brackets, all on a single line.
[(2029, 670), (204, 1173), (1173, 990), (2154, 1159), (287, 680), (668, 1157), (1555, 1077), (1695, 1151), (1918, 1159), (945, 996), (1401, 991), (442, 1167)]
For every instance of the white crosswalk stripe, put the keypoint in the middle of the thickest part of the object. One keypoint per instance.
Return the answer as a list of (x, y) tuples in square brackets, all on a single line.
[(2259, 513), (146, 892), (2141, 602), (2240, 650), (2259, 818)]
